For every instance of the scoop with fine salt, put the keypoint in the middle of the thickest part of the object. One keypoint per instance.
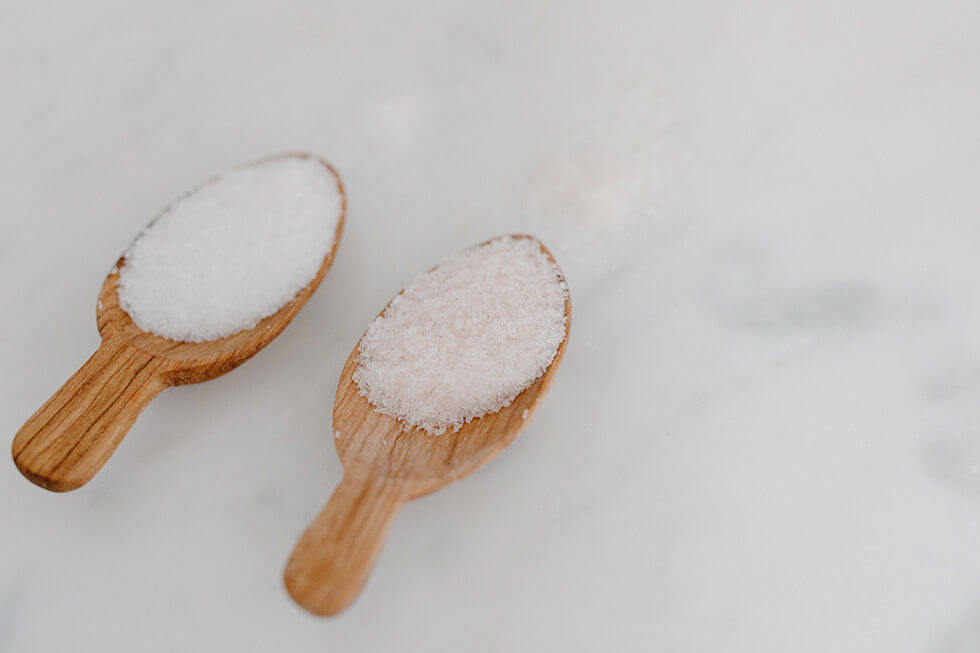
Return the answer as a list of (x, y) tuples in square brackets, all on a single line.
[(208, 284), (471, 345)]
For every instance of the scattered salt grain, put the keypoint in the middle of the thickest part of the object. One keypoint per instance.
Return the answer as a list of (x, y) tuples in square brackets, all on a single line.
[(462, 340), (232, 252)]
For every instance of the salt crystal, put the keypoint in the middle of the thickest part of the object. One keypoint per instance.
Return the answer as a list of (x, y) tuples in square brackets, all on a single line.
[(462, 340), (232, 252)]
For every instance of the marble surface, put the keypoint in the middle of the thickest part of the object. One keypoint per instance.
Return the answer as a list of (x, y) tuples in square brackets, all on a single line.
[(764, 436)]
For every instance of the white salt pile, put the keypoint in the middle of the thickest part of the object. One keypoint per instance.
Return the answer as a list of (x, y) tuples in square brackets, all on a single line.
[(232, 252), (462, 340)]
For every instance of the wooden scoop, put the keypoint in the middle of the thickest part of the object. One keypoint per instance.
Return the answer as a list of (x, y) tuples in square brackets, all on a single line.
[(64, 444), (387, 463)]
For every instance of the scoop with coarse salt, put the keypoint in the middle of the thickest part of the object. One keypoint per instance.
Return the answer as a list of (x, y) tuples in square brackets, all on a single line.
[(216, 277), (439, 384)]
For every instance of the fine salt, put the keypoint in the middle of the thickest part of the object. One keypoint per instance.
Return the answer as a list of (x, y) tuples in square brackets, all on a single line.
[(232, 252), (462, 340)]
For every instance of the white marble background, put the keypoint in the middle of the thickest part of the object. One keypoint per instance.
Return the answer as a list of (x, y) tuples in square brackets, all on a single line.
[(766, 432)]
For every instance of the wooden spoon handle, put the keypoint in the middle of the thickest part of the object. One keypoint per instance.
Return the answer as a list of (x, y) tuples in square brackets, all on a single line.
[(72, 435), (334, 556)]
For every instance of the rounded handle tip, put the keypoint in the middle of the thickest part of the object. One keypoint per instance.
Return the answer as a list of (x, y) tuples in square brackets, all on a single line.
[(315, 596), (68, 439), (47, 481)]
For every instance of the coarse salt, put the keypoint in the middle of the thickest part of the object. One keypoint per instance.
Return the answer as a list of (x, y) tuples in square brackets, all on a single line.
[(232, 252), (463, 339)]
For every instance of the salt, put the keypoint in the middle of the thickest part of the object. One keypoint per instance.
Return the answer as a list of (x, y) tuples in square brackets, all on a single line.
[(232, 252), (462, 340)]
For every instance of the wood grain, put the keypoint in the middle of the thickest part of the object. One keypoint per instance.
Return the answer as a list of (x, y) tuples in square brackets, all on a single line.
[(334, 556), (386, 463), (65, 443)]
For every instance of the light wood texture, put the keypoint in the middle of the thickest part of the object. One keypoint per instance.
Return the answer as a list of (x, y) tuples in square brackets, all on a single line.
[(387, 463), (64, 444)]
